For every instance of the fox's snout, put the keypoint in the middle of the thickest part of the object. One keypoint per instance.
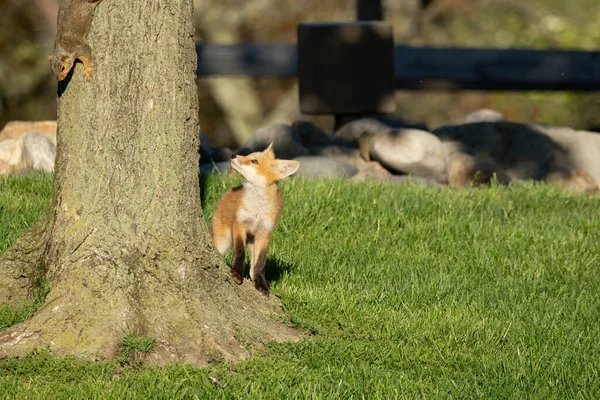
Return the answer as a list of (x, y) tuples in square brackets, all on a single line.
[(233, 156)]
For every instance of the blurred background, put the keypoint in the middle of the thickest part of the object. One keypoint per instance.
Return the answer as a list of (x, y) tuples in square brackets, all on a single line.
[(231, 108)]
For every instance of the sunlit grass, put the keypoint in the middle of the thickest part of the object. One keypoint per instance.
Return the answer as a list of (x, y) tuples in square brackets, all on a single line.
[(408, 291)]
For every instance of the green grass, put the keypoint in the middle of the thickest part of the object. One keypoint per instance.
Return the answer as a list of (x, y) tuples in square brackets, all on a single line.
[(134, 343), (410, 292), (22, 200)]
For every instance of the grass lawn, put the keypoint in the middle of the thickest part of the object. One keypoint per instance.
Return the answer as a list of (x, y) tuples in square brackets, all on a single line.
[(409, 292)]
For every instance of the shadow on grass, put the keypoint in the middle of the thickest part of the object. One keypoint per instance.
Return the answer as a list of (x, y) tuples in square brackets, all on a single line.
[(276, 268)]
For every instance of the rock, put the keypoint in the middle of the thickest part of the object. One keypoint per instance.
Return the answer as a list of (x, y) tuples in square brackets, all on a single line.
[(316, 167), (286, 143), (519, 150), (409, 179), (483, 115), (4, 168), (349, 155), (38, 151), (580, 149), (11, 152), (310, 134), (526, 151), (575, 180), (351, 133), (411, 152), (16, 129), (465, 170), (50, 136), (220, 167), (372, 171)]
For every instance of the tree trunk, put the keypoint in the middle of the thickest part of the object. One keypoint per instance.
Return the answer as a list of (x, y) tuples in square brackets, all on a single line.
[(124, 244)]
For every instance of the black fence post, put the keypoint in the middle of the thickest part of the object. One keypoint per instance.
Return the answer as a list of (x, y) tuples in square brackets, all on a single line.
[(366, 10), (369, 10)]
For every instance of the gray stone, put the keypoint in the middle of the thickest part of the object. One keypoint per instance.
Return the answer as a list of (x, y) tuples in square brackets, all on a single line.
[(310, 134), (316, 167), (409, 179), (412, 152), (11, 151), (352, 132), (38, 151), (372, 171), (520, 151), (483, 115), (347, 154), (581, 149), (4, 168), (286, 143), (467, 170), (574, 180), (16, 129), (525, 151)]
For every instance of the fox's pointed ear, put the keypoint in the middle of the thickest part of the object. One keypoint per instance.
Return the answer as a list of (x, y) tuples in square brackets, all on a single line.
[(269, 151), (50, 58), (285, 168)]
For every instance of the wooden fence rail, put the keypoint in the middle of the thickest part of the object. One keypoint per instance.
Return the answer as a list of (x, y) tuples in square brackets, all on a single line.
[(428, 67)]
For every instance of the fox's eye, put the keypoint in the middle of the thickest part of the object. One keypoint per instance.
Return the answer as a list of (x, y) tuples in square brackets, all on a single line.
[(254, 161), (62, 68)]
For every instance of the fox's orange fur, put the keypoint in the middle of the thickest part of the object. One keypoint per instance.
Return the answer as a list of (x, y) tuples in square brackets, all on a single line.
[(246, 215)]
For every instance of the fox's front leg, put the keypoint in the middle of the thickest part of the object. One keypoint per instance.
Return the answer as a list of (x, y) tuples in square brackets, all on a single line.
[(239, 256), (258, 262)]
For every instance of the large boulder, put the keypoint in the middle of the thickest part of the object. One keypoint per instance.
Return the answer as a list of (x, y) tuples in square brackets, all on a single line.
[(483, 115), (317, 167), (352, 132), (467, 170), (310, 135), (5, 168), (347, 154), (286, 143), (580, 149), (16, 129), (11, 152), (38, 151), (525, 151), (372, 171), (410, 152), (411, 180), (574, 180)]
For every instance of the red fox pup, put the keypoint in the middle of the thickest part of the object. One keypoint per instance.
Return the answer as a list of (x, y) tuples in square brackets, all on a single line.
[(246, 215)]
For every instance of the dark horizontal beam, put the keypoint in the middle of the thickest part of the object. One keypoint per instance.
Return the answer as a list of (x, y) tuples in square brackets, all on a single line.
[(427, 67), (248, 59), (491, 69)]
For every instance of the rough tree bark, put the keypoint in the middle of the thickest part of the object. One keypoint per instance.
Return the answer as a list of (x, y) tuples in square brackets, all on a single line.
[(124, 245)]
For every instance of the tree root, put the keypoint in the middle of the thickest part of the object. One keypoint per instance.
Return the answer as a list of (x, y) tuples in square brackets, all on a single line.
[(87, 315), (22, 265)]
